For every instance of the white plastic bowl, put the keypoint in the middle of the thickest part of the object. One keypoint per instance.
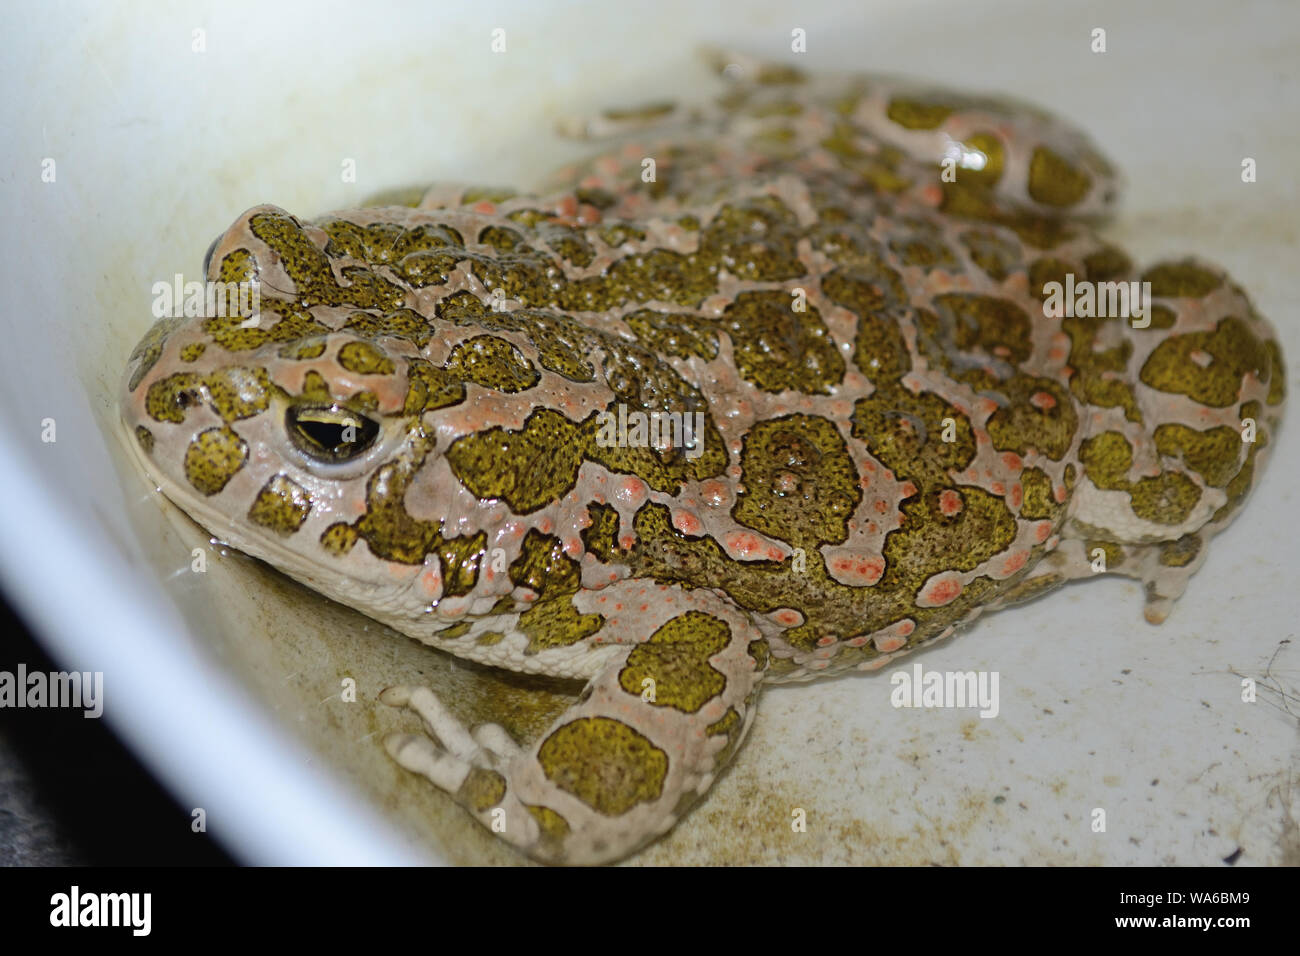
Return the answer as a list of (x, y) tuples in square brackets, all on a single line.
[(157, 145)]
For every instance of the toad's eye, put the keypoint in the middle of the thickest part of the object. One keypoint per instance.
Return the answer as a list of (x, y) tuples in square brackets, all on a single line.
[(330, 434)]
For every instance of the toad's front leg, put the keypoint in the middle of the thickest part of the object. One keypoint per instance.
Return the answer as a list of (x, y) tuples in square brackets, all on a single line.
[(646, 738)]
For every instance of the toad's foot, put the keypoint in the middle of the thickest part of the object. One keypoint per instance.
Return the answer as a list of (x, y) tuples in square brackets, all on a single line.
[(646, 738)]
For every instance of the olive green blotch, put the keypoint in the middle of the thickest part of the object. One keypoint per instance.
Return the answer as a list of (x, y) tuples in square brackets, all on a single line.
[(363, 358), (930, 541), (730, 238), (234, 392), (394, 534), (1099, 375), (604, 763), (562, 343), (315, 388), (527, 468), (1046, 270), (678, 334), (406, 324), (1241, 482), (493, 363), (615, 234), (1167, 498), (1178, 280), (213, 458), (879, 168), (926, 252), (543, 566), (429, 388), (1029, 588), (996, 326), (1215, 454), (481, 790), (1108, 262), (554, 828), (1038, 502), (1232, 350), (880, 351), (338, 538), (292, 321), (1181, 552), (1163, 317), (1113, 551), (281, 506), (568, 243), (905, 432), (168, 398), (291, 325), (304, 349), (529, 275), (500, 238), (1021, 425), (1054, 180), (676, 659), (237, 392), (917, 114), (146, 354), (477, 194), (1106, 460), (994, 158), (386, 243), (800, 483), (995, 254), (555, 622), (777, 348), (369, 243), (1277, 382), (408, 196), (312, 272), (601, 535), (655, 274), (459, 629), (460, 558)]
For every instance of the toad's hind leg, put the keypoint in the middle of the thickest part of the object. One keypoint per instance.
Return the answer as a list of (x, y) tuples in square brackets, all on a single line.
[(995, 153), (1170, 457), (993, 150), (646, 738)]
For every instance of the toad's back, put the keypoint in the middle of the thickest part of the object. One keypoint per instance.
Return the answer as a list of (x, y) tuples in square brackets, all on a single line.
[(805, 380)]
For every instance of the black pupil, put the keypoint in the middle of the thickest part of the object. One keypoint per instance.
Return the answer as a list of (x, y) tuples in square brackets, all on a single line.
[(325, 434)]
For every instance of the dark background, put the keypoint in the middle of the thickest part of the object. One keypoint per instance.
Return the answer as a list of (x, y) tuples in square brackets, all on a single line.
[(72, 795)]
